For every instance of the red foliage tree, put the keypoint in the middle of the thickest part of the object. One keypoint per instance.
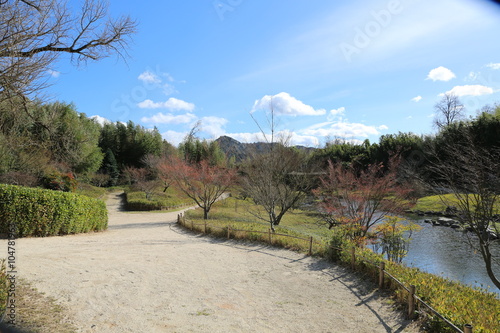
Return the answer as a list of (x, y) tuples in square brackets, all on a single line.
[(357, 200), (203, 183)]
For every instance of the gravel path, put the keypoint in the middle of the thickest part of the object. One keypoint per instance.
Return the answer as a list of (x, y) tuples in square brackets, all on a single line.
[(145, 274)]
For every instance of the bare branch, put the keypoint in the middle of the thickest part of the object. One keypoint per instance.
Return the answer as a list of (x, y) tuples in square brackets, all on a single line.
[(33, 34)]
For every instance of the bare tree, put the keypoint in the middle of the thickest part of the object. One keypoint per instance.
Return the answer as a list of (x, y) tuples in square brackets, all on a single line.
[(33, 34), (472, 175), (276, 180), (448, 110), (276, 177)]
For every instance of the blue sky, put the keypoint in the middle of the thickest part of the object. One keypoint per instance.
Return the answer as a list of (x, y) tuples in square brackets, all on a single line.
[(332, 69)]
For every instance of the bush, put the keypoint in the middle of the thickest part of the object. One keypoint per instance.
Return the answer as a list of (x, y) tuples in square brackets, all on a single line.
[(58, 181), (40, 213)]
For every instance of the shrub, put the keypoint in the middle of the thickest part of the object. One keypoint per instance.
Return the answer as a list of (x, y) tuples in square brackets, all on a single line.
[(39, 213), (58, 181)]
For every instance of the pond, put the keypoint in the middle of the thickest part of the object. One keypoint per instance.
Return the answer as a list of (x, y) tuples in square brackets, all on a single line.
[(444, 251)]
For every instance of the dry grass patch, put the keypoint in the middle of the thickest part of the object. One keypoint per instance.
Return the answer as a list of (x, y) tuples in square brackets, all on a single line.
[(37, 313)]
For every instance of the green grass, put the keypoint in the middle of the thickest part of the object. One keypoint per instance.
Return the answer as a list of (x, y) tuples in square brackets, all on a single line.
[(240, 215), (171, 199), (435, 203), (439, 203), (92, 191)]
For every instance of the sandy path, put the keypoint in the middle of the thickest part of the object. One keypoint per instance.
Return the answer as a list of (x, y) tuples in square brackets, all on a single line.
[(145, 274)]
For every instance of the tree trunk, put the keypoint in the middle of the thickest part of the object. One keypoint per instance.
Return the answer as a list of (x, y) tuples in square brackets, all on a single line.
[(485, 252)]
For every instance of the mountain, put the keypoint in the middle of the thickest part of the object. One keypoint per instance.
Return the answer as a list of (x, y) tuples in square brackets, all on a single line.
[(241, 151)]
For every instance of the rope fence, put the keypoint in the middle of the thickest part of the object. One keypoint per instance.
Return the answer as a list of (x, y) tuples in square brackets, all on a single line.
[(413, 299)]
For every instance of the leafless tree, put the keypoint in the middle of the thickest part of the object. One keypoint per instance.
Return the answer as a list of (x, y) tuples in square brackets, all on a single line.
[(472, 174), (33, 34), (277, 177), (448, 110), (277, 180)]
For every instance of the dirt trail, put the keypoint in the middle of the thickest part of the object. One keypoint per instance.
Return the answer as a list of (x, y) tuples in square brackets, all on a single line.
[(145, 274)]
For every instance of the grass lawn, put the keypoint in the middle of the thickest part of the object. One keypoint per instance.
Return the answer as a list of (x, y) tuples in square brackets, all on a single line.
[(240, 214)]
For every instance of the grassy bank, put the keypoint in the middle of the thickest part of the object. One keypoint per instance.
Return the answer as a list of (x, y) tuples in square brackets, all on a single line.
[(172, 198)]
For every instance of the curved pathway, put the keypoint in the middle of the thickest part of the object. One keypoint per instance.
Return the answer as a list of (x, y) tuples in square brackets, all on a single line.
[(145, 274)]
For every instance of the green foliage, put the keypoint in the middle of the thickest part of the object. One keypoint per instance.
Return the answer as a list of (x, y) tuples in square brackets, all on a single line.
[(130, 143), (110, 167), (194, 150), (458, 303), (41, 213), (393, 237)]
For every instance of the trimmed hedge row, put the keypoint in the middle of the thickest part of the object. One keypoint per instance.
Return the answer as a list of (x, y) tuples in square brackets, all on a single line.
[(39, 213)]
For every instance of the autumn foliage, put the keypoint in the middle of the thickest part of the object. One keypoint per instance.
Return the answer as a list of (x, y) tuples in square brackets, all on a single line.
[(202, 182), (359, 199)]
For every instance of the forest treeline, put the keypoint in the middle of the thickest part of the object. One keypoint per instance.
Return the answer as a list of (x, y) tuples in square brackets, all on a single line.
[(47, 140)]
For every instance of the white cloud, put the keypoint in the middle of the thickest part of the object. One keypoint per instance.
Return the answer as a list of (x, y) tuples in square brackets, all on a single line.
[(161, 118), (174, 137), (343, 129), (284, 104), (494, 65), (470, 90), (149, 77), (441, 74), (416, 99), (213, 126), (100, 120), (172, 103), (335, 113)]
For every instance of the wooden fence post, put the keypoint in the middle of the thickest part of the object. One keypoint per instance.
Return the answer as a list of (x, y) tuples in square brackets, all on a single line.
[(310, 246), (468, 328), (205, 226), (381, 275), (411, 302), (353, 258), (228, 232), (270, 237), (192, 225)]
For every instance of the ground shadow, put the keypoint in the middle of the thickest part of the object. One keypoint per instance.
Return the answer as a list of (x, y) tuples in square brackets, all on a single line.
[(365, 290)]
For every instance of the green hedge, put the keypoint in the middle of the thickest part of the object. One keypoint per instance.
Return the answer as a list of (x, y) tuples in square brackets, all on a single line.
[(38, 213)]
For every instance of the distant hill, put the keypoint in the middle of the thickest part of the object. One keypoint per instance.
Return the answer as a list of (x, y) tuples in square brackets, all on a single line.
[(241, 151)]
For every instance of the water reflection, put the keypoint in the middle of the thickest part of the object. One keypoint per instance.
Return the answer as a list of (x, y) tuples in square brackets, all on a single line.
[(444, 251)]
